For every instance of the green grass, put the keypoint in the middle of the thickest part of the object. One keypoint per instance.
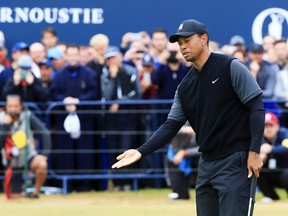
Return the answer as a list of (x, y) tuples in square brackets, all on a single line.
[(150, 202)]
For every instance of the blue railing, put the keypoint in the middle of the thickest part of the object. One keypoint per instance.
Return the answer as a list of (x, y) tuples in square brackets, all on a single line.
[(105, 173)]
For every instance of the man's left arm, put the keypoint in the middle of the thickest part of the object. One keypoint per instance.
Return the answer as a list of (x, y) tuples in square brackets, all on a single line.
[(250, 94), (257, 117)]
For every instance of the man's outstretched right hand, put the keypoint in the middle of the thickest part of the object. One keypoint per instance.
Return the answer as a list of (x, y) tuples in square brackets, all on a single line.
[(126, 158)]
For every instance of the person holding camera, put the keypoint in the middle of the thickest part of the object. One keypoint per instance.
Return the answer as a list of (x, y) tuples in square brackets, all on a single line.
[(130, 37), (25, 84)]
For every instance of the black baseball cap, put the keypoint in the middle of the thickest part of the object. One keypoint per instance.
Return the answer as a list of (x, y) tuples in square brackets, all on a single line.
[(258, 48), (188, 28)]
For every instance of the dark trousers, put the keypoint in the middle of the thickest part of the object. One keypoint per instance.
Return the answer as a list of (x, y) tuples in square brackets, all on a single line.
[(270, 179), (74, 156), (180, 183), (222, 186), (118, 139)]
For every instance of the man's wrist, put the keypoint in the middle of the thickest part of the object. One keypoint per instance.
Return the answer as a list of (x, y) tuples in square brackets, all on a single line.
[(185, 153), (253, 154)]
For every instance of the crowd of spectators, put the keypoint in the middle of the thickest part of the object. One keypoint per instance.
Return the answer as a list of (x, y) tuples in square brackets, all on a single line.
[(142, 66)]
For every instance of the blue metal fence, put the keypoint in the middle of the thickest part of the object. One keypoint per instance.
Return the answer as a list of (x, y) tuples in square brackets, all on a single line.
[(98, 108)]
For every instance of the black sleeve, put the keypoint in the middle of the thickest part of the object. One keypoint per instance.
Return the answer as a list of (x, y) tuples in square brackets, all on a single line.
[(257, 118), (161, 137), (4, 131), (40, 93), (39, 128), (9, 88)]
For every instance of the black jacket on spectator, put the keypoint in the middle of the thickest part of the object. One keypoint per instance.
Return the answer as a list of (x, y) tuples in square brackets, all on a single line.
[(35, 92), (97, 68)]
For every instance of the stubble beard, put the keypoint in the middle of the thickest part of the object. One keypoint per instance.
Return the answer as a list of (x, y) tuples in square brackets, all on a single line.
[(190, 59)]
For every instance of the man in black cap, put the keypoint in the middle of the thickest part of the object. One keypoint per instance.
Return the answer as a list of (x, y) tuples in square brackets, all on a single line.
[(263, 71), (222, 102)]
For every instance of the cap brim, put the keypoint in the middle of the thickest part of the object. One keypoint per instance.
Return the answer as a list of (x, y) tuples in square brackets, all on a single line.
[(148, 64), (173, 38), (257, 51), (44, 64), (18, 49), (24, 67), (234, 43), (270, 122), (111, 54), (53, 57)]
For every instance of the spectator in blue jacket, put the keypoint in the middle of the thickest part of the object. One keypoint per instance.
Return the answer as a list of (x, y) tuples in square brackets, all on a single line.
[(182, 157), (274, 153), (73, 84)]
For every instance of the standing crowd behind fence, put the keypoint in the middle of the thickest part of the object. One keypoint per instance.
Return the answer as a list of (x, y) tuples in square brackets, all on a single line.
[(100, 99)]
